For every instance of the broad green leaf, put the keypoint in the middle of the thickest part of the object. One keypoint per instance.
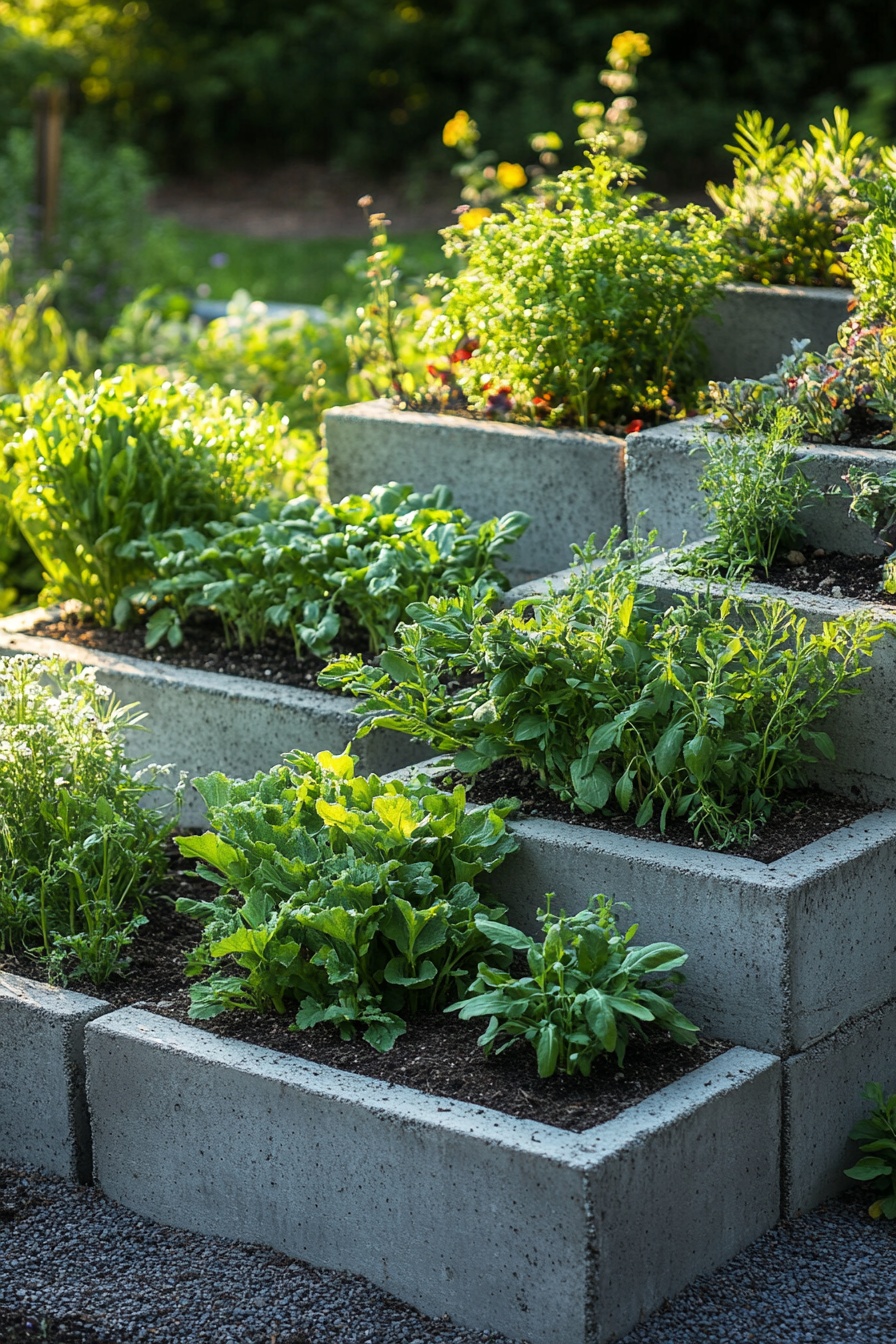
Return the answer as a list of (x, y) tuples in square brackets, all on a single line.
[(668, 749)]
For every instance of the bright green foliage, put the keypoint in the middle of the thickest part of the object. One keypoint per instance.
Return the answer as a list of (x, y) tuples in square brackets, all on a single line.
[(585, 992), (583, 303), (692, 712), (789, 205), (290, 359), (353, 898), (754, 492), (99, 463), (78, 850), (34, 337), (872, 253), (874, 503), (876, 1135), (313, 568)]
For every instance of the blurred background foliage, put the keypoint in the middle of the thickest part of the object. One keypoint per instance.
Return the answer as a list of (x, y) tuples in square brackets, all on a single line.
[(218, 82)]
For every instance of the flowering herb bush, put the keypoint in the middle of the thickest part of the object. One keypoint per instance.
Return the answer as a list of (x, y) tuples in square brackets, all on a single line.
[(97, 463), (78, 846), (314, 568), (614, 704), (344, 899), (582, 303), (788, 208), (585, 995)]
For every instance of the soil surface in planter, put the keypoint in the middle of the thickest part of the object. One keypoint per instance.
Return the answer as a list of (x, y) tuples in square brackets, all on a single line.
[(802, 815), (438, 1055), (205, 649), (832, 575)]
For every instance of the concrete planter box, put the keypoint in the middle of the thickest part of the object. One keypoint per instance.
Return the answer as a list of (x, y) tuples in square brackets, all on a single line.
[(775, 963), (203, 721), (43, 1109), (570, 482), (661, 483), (505, 1224), (752, 326)]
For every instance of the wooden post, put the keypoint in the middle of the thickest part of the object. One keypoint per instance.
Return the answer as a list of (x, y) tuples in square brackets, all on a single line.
[(49, 102)]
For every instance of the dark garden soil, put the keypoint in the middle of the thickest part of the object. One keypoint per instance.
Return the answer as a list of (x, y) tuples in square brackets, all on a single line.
[(438, 1055), (802, 815), (831, 575), (204, 649)]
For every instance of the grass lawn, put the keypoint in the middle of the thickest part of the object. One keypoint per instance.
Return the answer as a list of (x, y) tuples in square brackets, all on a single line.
[(289, 270)]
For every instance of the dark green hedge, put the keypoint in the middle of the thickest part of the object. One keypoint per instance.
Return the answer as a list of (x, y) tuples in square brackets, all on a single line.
[(373, 81)]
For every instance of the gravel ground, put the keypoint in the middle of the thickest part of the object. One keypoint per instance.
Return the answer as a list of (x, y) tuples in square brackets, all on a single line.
[(96, 1274)]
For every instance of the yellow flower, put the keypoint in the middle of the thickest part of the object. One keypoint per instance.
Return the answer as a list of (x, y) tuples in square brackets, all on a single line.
[(457, 129), (471, 219), (629, 44), (511, 175)]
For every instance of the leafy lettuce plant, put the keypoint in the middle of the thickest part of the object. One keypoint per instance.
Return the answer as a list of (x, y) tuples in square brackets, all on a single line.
[(585, 993), (788, 208), (345, 899), (691, 711), (98, 463), (79, 848), (876, 1135), (316, 567), (583, 302)]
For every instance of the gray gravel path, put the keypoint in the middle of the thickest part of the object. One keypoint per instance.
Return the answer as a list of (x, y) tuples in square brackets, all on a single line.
[(103, 1275)]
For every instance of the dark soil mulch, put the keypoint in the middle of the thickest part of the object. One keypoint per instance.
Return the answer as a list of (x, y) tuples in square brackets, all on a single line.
[(830, 574), (438, 1055), (204, 648), (803, 815)]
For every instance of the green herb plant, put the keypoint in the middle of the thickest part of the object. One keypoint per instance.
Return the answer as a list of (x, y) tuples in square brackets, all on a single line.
[(585, 993), (582, 305), (695, 711), (317, 570), (873, 502), (79, 848), (754, 492), (788, 208), (346, 900), (876, 1135), (96, 464)]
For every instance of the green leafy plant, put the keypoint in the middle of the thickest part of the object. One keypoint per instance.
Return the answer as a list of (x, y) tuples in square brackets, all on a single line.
[(34, 337), (78, 846), (787, 211), (97, 463), (876, 1135), (873, 502), (290, 358), (694, 711), (581, 306), (754, 493), (585, 993), (351, 899), (316, 568)]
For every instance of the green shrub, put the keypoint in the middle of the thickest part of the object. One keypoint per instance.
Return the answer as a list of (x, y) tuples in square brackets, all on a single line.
[(585, 994), (349, 898), (291, 359), (78, 847), (103, 227), (613, 704), (97, 464), (314, 569), (582, 303), (788, 208)]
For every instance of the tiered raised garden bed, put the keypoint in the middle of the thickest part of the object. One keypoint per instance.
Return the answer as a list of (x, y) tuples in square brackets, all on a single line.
[(753, 326)]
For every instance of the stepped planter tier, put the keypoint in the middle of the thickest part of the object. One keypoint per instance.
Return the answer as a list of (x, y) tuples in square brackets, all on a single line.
[(202, 721), (543, 1234), (664, 464), (570, 482), (752, 326), (794, 958)]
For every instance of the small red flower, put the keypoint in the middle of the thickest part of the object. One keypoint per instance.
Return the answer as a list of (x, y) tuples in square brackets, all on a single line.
[(443, 375), (464, 350), (634, 426)]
